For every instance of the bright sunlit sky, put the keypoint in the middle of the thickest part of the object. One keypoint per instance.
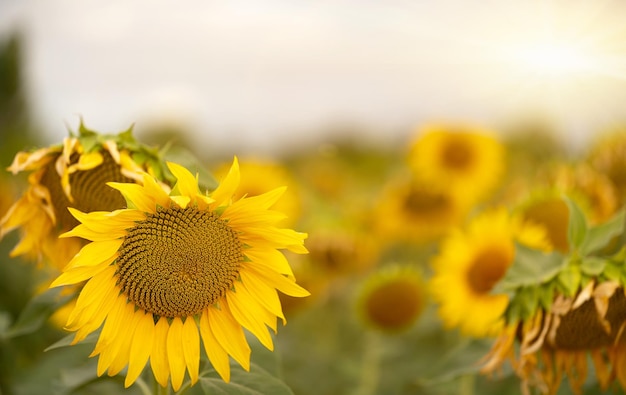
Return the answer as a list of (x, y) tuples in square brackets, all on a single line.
[(271, 73)]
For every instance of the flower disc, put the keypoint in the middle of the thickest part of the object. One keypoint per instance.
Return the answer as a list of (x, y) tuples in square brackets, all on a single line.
[(178, 261)]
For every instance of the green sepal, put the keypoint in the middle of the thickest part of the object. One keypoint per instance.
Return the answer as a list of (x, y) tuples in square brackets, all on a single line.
[(569, 280), (577, 228), (592, 266), (546, 296)]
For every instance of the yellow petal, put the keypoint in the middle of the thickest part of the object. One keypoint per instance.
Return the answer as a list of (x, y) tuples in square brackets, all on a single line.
[(106, 222), (158, 354), (125, 340), (191, 348), (278, 238), (140, 347), (264, 293), (81, 273), (217, 355), (269, 258), (246, 312), (136, 194), (69, 145), (225, 191), (154, 189), (95, 253), (110, 340), (280, 282), (84, 232), (87, 161), (181, 201), (175, 355), (186, 184), (230, 334)]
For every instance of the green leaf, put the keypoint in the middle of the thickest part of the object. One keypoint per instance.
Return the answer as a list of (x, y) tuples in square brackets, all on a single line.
[(256, 382), (546, 296), (530, 267), (37, 311), (593, 266), (577, 229), (67, 341), (612, 272), (569, 279), (528, 297), (599, 236)]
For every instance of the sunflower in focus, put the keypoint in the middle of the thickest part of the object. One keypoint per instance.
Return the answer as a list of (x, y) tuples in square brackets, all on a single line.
[(173, 268), (73, 174), (469, 264), (461, 157), (392, 299)]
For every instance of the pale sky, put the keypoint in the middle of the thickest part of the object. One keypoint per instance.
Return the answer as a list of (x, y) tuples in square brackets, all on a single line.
[(268, 74)]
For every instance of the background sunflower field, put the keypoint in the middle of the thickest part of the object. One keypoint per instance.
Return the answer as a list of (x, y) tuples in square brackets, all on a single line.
[(458, 258)]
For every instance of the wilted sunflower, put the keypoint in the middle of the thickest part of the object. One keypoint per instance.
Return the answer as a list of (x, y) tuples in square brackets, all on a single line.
[(463, 157), (392, 299), (565, 308), (172, 264), (73, 174), (471, 262)]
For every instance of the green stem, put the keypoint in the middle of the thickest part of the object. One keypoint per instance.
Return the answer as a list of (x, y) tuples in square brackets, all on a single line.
[(145, 389), (466, 384), (370, 369)]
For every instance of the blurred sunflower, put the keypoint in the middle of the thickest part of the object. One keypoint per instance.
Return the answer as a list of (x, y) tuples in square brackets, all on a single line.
[(471, 262), (462, 157), (547, 208), (176, 267), (259, 176), (608, 156), (73, 174), (392, 299), (412, 211)]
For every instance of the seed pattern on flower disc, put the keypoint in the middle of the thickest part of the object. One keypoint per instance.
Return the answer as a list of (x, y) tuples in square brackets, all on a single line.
[(89, 190), (178, 261)]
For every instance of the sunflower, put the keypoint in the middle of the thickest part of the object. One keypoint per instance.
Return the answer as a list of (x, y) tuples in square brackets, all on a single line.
[(463, 157), (416, 212), (69, 175), (174, 268), (392, 299), (566, 308), (608, 156), (471, 262)]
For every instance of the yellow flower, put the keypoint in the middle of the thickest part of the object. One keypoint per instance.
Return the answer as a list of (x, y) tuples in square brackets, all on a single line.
[(174, 268), (259, 176), (411, 211), (560, 341), (471, 262), (392, 299), (65, 176), (458, 156)]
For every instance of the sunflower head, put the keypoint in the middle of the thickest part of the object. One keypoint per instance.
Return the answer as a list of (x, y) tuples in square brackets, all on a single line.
[(608, 156), (566, 308), (173, 268), (392, 299), (413, 211), (471, 262), (458, 156), (73, 174)]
